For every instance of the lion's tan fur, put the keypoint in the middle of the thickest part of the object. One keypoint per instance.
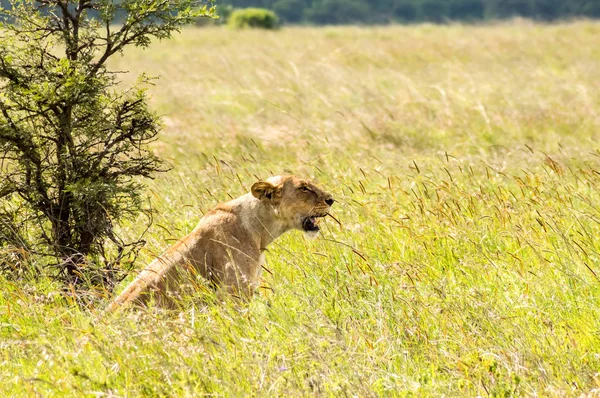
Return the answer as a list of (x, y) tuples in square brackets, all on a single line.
[(226, 247)]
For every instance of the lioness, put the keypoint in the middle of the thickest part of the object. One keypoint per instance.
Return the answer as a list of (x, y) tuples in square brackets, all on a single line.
[(227, 245)]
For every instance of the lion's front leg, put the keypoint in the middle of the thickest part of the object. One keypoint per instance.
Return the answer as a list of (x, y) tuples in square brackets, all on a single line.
[(241, 278)]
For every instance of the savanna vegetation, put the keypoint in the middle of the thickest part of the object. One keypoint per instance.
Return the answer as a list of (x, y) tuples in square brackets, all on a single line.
[(466, 170)]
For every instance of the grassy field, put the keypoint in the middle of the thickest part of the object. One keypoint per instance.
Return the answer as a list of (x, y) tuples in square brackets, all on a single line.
[(466, 168)]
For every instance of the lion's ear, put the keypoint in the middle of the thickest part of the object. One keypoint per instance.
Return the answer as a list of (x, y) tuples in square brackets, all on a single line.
[(264, 190)]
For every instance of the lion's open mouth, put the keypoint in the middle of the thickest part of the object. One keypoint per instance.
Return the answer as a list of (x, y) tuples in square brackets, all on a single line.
[(311, 224)]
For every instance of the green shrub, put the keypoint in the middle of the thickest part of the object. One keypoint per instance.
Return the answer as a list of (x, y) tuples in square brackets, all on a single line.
[(254, 18), (73, 144)]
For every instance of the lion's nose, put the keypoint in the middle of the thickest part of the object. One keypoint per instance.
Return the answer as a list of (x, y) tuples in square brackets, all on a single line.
[(329, 201)]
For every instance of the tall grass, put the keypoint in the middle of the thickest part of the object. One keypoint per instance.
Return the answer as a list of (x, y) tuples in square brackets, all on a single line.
[(465, 166)]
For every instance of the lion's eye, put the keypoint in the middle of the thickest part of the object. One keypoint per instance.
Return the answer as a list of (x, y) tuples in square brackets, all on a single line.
[(304, 189)]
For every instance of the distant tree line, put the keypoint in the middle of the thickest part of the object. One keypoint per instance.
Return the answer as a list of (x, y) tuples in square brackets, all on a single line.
[(385, 11), (323, 12)]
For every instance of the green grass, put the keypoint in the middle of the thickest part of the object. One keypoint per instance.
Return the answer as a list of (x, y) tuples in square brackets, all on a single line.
[(465, 165)]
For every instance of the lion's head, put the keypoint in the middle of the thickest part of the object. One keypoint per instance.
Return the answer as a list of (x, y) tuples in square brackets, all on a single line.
[(298, 202)]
